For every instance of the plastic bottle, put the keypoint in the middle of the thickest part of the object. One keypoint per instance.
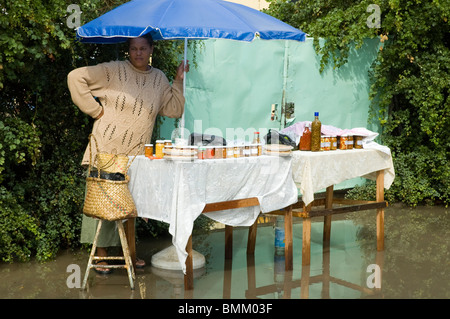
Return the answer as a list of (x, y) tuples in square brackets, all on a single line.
[(279, 236), (305, 140), (316, 127)]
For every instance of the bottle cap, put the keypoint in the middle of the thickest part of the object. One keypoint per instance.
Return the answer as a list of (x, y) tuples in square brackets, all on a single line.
[(316, 113)]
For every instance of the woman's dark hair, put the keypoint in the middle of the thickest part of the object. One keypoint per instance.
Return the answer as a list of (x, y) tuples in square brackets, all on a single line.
[(146, 36)]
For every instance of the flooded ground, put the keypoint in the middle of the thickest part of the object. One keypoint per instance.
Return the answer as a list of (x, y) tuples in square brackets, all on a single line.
[(414, 264)]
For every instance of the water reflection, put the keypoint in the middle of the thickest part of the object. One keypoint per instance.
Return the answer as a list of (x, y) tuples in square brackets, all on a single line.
[(414, 264)]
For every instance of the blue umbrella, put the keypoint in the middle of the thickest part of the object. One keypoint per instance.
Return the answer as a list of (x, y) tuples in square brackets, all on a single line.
[(185, 19)]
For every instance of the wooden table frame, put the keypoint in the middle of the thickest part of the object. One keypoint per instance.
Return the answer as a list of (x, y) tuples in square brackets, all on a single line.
[(210, 207), (307, 212), (297, 210)]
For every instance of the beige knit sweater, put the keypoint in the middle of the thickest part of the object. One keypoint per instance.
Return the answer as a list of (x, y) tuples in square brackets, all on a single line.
[(131, 99)]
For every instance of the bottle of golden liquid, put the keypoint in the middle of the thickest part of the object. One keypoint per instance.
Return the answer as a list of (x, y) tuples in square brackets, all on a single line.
[(316, 127)]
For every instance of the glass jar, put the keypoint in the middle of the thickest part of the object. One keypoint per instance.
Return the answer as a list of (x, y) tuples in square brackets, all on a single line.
[(333, 143), (201, 153), (253, 149), (325, 143), (159, 148), (350, 142), (247, 150), (229, 151), (343, 141), (209, 152), (218, 152), (357, 142), (237, 152), (148, 150)]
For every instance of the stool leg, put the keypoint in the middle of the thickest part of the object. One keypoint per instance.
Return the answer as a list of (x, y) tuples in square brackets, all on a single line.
[(91, 256), (126, 253)]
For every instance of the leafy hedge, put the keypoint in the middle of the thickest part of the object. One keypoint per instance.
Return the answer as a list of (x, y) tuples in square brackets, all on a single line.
[(43, 135)]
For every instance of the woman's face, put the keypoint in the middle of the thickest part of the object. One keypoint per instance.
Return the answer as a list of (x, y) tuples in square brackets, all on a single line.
[(140, 52)]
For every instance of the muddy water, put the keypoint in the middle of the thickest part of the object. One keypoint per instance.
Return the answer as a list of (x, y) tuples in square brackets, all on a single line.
[(414, 264)]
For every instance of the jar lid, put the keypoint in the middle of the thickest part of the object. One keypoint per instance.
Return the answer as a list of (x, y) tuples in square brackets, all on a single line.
[(160, 141), (148, 145)]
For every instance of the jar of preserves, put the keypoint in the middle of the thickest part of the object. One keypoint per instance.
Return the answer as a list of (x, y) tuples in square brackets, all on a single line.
[(218, 151), (257, 141), (350, 142), (229, 151), (237, 152), (253, 149), (357, 142), (148, 150), (325, 143), (247, 150), (333, 143), (343, 140), (201, 153), (209, 152), (159, 148)]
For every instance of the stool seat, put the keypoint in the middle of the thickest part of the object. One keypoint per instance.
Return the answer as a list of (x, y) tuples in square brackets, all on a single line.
[(126, 255)]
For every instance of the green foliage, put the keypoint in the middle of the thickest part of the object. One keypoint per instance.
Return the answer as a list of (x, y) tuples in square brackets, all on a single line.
[(410, 80), (43, 135)]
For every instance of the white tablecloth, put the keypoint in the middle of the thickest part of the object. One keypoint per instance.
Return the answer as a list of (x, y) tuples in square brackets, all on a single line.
[(176, 192), (314, 171)]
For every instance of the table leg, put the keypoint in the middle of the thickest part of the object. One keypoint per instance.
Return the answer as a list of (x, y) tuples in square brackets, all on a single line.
[(228, 242), (251, 241), (380, 211), (131, 239), (327, 218), (306, 245), (189, 276), (288, 238)]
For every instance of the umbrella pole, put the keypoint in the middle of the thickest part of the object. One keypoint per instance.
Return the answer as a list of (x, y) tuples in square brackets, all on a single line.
[(184, 87)]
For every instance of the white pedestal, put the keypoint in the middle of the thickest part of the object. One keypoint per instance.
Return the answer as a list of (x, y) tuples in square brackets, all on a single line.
[(168, 259)]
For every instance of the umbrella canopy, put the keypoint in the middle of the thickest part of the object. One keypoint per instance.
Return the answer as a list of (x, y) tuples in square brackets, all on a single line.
[(185, 19)]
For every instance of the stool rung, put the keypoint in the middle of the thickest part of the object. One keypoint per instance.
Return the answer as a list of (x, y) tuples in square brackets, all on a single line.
[(109, 266), (108, 258)]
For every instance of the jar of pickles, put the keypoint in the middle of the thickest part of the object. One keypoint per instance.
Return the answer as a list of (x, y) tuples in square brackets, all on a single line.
[(325, 143)]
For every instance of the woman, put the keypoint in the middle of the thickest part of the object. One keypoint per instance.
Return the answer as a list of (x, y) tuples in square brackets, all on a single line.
[(124, 97)]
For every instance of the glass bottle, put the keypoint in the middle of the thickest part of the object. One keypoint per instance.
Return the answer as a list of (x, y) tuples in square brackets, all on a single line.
[(305, 139), (316, 127), (257, 141)]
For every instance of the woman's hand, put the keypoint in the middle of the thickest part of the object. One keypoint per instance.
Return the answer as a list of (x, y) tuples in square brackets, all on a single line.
[(181, 69)]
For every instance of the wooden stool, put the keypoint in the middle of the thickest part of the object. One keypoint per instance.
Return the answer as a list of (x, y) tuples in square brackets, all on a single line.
[(126, 255)]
